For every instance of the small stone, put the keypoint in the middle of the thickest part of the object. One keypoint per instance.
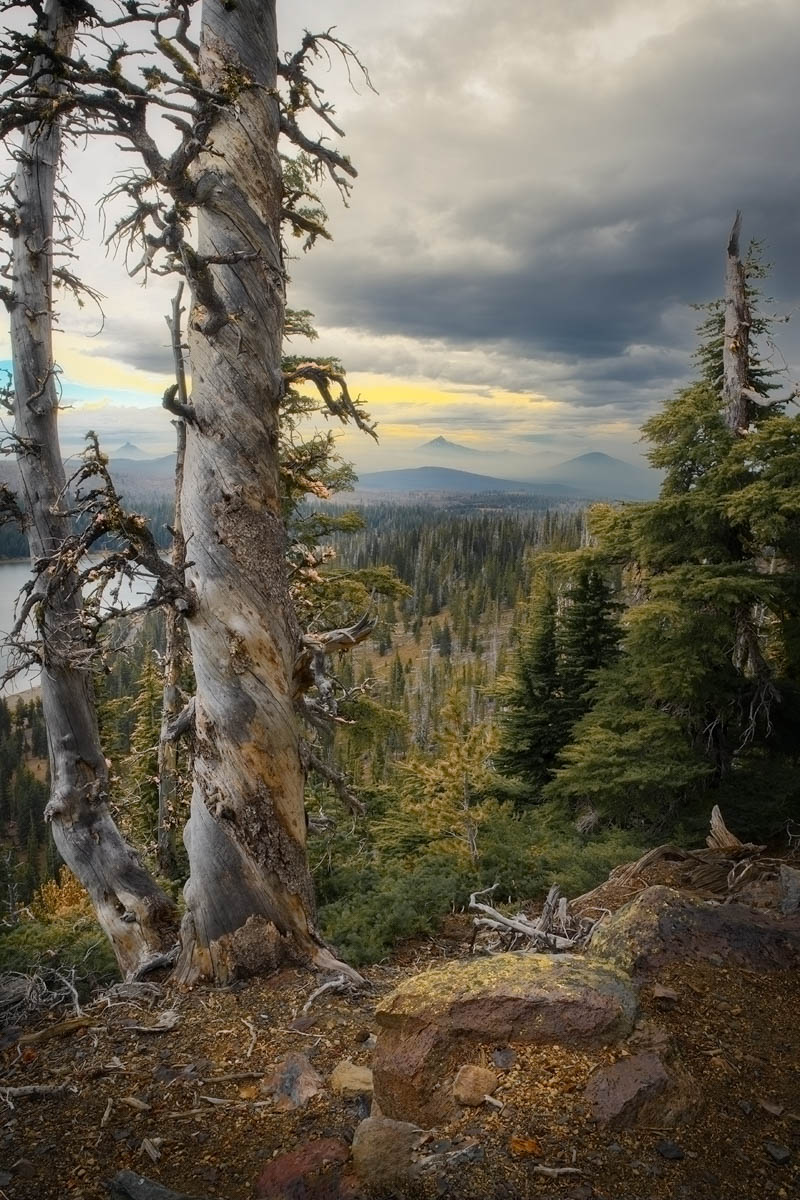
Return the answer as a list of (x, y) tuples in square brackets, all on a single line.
[(5, 1178), (665, 997), (292, 1083), (771, 1107), (370, 1042), (521, 1147), (23, 1168), (303, 1023), (778, 1154), (580, 1191), (350, 1080), (716, 960), (472, 1084), (746, 1107), (382, 1149), (504, 1058), (309, 1170), (670, 1150), (638, 1089)]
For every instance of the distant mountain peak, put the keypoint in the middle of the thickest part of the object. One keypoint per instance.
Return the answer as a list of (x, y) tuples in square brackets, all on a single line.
[(129, 450), (443, 444), (596, 458)]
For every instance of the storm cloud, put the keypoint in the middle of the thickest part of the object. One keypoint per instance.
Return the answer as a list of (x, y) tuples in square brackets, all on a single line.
[(548, 188), (544, 190)]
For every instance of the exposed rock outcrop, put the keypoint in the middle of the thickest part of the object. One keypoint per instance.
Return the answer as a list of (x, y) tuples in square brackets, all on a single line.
[(428, 1023), (661, 925)]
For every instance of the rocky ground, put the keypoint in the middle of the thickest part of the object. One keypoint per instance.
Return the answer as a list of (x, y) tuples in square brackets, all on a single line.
[(677, 1076)]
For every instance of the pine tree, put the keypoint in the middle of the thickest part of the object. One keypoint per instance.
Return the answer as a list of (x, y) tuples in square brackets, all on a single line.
[(531, 725), (704, 694), (552, 685), (588, 639)]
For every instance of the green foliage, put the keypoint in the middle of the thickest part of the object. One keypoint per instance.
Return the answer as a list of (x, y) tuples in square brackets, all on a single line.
[(63, 944), (699, 707), (551, 686), (371, 903)]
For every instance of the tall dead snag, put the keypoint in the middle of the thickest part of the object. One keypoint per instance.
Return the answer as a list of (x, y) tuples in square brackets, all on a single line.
[(137, 917), (176, 399), (247, 830), (740, 398), (736, 338)]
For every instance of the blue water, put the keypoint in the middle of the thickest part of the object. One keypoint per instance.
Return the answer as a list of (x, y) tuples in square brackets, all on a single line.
[(12, 577)]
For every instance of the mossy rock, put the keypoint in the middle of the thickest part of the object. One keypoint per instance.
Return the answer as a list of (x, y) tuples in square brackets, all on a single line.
[(662, 925), (430, 1020)]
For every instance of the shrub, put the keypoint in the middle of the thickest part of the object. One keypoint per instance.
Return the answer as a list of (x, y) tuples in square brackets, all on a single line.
[(65, 944)]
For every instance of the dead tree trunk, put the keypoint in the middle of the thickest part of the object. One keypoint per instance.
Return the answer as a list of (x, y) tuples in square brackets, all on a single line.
[(137, 917), (736, 338), (175, 638), (247, 830)]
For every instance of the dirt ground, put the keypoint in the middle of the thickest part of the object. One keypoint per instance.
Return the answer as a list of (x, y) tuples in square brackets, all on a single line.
[(184, 1107)]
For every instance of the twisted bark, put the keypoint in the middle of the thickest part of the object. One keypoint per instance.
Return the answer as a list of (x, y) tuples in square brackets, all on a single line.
[(137, 917), (246, 833)]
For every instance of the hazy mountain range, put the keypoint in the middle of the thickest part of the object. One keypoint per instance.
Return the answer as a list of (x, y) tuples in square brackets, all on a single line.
[(589, 476), (450, 467)]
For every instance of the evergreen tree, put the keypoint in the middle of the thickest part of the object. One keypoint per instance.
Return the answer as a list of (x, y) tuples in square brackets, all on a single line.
[(552, 685), (531, 725), (588, 639), (704, 695)]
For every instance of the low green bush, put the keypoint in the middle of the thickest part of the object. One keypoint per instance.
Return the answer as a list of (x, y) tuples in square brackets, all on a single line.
[(62, 944)]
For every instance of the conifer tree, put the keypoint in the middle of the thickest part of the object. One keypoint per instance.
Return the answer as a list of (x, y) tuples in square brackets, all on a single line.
[(530, 726), (704, 694), (552, 684)]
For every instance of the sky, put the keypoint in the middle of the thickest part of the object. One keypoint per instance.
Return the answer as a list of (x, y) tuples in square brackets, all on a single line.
[(544, 190)]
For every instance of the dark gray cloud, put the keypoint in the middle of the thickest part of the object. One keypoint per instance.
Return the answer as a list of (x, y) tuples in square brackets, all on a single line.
[(554, 184)]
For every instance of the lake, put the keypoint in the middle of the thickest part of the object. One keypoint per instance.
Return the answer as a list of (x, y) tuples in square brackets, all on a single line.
[(12, 577)]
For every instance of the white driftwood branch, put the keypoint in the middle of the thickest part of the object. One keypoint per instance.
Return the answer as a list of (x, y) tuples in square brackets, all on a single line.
[(539, 932)]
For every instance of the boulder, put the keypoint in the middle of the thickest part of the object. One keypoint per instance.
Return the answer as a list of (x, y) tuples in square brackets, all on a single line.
[(292, 1083), (430, 1021), (383, 1150), (661, 925), (473, 1084), (636, 1090)]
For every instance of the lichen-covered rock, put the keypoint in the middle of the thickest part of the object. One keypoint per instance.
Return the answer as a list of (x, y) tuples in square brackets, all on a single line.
[(661, 925), (428, 1023), (639, 1089), (473, 1084)]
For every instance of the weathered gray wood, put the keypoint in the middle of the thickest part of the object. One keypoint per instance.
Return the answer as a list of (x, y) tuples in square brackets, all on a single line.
[(175, 649), (137, 917), (736, 338), (246, 834)]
